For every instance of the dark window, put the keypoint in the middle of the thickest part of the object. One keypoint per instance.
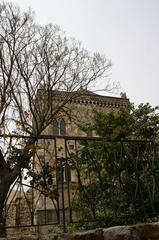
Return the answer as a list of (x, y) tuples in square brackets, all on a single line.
[(59, 172), (63, 172), (62, 128), (55, 127), (59, 127), (71, 147), (89, 133)]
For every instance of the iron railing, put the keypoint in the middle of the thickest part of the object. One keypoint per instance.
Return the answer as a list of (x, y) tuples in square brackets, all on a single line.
[(54, 189)]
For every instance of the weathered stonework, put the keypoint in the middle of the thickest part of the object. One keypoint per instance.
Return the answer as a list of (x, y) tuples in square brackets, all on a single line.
[(132, 232), (79, 108)]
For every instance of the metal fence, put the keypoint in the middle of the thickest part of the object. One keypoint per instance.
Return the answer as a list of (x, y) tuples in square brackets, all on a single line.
[(70, 181)]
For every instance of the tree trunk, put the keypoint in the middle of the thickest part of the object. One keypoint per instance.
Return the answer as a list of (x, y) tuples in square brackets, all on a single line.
[(2, 225), (5, 183), (7, 177)]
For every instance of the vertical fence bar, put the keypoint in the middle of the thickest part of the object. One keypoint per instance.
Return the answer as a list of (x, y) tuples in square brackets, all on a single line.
[(32, 210), (57, 182), (62, 192), (68, 182), (44, 164)]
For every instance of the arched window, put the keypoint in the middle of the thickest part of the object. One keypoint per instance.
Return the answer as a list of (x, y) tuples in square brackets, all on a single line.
[(62, 128), (59, 127), (55, 127)]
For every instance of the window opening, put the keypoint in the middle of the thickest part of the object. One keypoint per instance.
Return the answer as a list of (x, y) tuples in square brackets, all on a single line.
[(59, 127)]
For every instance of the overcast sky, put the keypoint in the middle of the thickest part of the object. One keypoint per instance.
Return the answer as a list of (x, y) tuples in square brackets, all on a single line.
[(126, 31)]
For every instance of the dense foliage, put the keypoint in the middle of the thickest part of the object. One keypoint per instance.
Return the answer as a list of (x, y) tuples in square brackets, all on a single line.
[(138, 123), (118, 175)]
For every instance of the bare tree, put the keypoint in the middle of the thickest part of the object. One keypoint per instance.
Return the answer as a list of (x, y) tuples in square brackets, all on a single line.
[(36, 64)]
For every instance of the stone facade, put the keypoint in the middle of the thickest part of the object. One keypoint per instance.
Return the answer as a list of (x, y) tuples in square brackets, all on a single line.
[(78, 111)]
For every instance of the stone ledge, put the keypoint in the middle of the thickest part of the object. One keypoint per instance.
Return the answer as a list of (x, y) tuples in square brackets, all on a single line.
[(132, 232)]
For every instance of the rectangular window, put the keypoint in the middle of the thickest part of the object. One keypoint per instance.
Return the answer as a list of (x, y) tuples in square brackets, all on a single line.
[(59, 127)]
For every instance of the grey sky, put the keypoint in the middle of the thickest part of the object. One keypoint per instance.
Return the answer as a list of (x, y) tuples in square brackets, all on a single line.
[(126, 31)]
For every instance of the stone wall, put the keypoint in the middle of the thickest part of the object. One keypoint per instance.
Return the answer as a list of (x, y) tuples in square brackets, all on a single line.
[(22, 233), (133, 232)]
